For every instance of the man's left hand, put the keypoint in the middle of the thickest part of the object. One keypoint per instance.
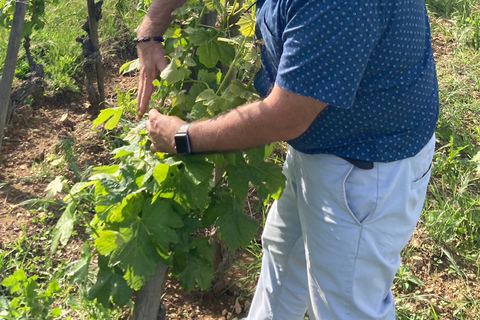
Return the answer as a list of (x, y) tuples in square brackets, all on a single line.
[(162, 130)]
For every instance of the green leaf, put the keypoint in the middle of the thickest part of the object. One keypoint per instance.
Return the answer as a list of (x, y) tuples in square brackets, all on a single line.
[(209, 78), (197, 265), (158, 218), (128, 209), (130, 66), (213, 51), (233, 225), (198, 168), (137, 256), (246, 24), (238, 176), (110, 284), (80, 271), (236, 90), (15, 282), (107, 241), (53, 287), (226, 51), (201, 36), (197, 269), (111, 169), (64, 227), (210, 49), (199, 112), (220, 205), (110, 115), (55, 186), (266, 177), (214, 5), (79, 187), (213, 102), (189, 193), (160, 173), (57, 312), (175, 72)]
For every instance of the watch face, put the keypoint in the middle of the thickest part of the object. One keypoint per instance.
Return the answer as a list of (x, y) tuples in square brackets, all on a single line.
[(182, 144)]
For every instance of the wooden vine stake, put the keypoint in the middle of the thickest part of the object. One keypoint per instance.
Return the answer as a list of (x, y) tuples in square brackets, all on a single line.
[(148, 300), (10, 62), (92, 66)]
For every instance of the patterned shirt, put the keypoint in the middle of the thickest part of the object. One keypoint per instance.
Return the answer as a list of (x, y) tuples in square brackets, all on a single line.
[(370, 61)]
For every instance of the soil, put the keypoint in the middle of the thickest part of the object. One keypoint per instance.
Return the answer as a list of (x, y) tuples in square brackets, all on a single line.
[(27, 166)]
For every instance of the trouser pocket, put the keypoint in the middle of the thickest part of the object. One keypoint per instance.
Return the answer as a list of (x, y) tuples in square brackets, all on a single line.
[(361, 192)]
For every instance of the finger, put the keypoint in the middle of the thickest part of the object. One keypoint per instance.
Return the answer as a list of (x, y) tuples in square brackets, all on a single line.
[(144, 93), (153, 113), (153, 148), (148, 126)]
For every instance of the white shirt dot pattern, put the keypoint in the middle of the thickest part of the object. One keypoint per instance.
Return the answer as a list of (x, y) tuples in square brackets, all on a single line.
[(369, 60)]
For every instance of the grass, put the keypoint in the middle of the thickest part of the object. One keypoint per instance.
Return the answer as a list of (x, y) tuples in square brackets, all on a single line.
[(56, 48), (451, 216)]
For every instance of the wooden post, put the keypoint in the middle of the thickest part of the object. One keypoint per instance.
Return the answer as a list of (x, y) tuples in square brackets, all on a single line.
[(149, 298), (93, 24), (11, 61)]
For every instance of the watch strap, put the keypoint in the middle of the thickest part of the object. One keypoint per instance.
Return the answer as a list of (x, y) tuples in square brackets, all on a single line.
[(182, 140), (184, 128)]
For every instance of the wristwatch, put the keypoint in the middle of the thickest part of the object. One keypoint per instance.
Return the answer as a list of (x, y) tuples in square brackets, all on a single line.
[(182, 140)]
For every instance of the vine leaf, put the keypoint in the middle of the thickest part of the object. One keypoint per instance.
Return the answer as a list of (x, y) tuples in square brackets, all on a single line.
[(110, 284), (210, 49), (109, 115), (267, 178), (133, 65), (214, 5), (175, 72), (160, 173), (106, 242), (136, 254), (233, 225), (198, 169), (55, 186), (246, 24), (158, 219), (80, 271), (126, 211), (198, 265), (189, 192)]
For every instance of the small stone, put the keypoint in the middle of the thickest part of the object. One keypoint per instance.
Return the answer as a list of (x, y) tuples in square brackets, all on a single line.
[(471, 276), (238, 307), (248, 303), (417, 261), (224, 312)]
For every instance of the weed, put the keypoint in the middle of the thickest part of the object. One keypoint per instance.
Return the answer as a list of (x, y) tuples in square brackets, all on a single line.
[(405, 280)]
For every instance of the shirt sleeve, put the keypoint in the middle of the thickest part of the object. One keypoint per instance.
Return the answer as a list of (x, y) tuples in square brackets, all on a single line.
[(326, 48)]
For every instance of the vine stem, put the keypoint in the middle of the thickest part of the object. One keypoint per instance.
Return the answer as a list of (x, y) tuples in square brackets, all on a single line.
[(81, 211), (232, 67)]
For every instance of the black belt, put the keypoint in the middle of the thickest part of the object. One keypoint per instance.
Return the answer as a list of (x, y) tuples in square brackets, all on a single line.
[(365, 165)]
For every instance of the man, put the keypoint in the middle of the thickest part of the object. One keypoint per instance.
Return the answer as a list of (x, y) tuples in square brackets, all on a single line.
[(351, 85)]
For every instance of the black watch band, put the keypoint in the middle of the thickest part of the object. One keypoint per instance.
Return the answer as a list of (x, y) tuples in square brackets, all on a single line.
[(182, 140)]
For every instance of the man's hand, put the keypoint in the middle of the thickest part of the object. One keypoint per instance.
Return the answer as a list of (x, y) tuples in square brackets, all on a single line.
[(162, 130), (152, 60)]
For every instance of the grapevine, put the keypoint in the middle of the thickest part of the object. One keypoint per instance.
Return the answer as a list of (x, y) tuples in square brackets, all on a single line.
[(155, 208)]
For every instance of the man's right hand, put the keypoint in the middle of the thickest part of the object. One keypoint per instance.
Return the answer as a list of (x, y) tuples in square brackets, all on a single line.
[(152, 60)]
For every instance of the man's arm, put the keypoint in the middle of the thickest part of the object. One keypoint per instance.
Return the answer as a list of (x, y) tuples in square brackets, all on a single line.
[(283, 115), (152, 54)]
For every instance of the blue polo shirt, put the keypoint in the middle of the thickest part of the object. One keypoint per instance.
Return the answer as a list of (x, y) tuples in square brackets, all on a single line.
[(370, 60)]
